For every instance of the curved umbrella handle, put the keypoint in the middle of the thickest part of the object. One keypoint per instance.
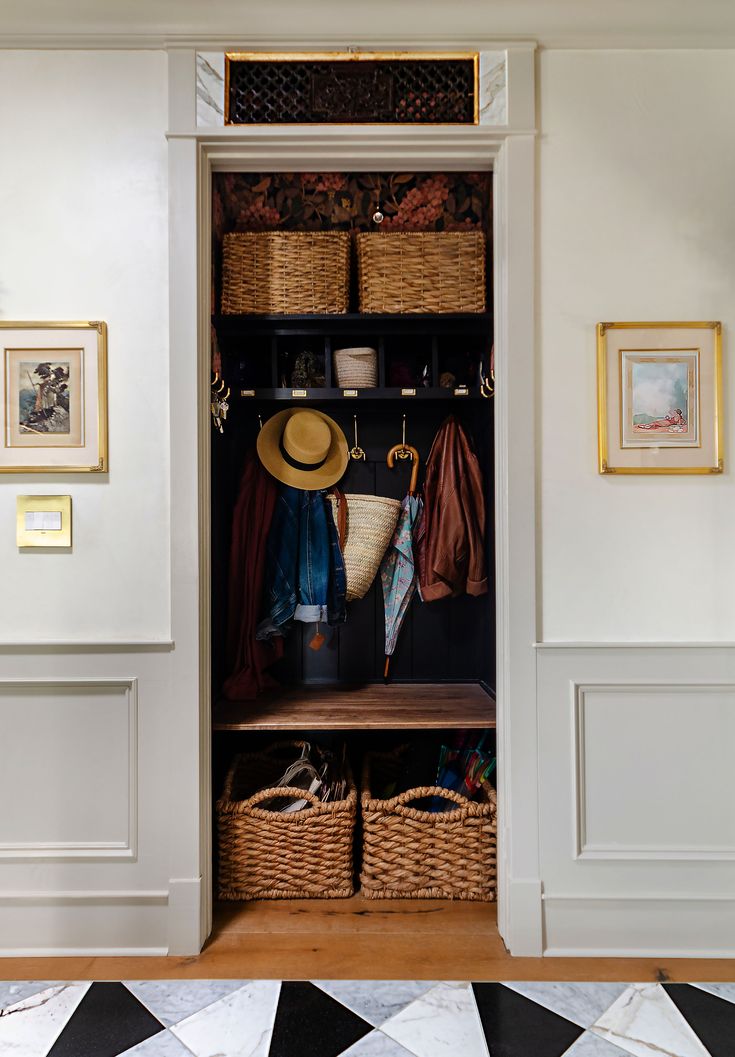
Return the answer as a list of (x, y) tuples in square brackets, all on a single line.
[(403, 451)]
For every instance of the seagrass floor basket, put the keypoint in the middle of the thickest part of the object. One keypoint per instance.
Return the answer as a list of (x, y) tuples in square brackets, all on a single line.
[(421, 271), (411, 853), (264, 854), (286, 272)]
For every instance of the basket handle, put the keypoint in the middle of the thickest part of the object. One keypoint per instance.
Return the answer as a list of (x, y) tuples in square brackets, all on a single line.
[(401, 802), (341, 516), (283, 790)]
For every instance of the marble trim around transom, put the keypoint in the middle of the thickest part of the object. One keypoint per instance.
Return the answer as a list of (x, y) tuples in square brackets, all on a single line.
[(210, 74), (493, 88), (210, 88)]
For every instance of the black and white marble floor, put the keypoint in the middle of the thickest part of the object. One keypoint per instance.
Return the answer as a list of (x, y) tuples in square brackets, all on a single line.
[(267, 1018)]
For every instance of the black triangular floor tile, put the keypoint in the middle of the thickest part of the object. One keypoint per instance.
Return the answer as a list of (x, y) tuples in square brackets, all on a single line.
[(309, 1023), (515, 1026), (712, 1019), (107, 1021)]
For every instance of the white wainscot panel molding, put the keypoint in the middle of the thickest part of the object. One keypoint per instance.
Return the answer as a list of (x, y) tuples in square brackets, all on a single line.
[(68, 769), (654, 776)]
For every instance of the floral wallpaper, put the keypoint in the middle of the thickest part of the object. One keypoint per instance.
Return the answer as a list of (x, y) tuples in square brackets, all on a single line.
[(457, 201)]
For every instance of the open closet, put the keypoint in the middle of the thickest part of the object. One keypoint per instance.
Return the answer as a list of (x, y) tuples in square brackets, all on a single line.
[(328, 685)]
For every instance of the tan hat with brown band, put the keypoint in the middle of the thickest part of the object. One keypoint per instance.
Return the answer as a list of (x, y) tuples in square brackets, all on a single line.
[(303, 448)]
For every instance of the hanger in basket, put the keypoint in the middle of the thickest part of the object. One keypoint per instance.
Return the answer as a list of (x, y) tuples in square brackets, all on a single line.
[(405, 451)]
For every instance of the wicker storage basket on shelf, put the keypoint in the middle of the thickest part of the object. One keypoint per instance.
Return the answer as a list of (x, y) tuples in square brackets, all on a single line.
[(407, 271), (413, 854), (286, 272), (268, 855), (366, 525), (356, 368)]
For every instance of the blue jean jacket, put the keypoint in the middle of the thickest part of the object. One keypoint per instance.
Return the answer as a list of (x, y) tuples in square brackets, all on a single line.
[(305, 574)]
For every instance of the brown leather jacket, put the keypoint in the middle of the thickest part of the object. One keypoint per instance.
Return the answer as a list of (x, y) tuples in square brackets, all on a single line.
[(450, 550)]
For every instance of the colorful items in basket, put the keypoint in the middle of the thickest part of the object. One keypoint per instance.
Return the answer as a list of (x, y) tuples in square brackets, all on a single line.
[(460, 766), (318, 771)]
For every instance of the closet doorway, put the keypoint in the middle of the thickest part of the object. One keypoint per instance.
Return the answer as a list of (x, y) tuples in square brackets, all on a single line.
[(444, 673)]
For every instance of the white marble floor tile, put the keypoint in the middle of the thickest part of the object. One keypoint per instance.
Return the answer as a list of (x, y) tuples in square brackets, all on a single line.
[(375, 1000), (442, 1023), (31, 1027), (162, 1045), (726, 991), (589, 1045), (583, 1004), (376, 1044), (174, 1000), (239, 1025), (645, 1022), (12, 992)]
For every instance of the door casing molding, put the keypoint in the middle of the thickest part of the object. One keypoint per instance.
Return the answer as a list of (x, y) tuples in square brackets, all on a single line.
[(194, 154)]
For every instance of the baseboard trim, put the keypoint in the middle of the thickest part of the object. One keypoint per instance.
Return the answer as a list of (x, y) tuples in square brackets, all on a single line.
[(639, 926), (83, 952), (88, 923)]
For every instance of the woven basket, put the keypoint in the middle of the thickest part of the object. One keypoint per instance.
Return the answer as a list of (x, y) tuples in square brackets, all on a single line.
[(267, 855), (356, 368), (413, 854), (273, 272), (366, 525), (421, 271)]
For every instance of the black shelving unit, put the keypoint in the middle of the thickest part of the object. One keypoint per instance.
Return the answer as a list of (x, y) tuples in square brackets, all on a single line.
[(254, 348)]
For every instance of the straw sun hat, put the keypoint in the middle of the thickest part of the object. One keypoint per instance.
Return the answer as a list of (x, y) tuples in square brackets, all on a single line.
[(304, 449)]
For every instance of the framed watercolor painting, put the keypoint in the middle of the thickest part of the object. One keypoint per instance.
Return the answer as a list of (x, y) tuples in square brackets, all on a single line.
[(54, 397), (659, 389)]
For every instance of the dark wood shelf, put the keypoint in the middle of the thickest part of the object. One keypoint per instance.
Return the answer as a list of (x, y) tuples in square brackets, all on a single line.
[(354, 322), (313, 395), (371, 706)]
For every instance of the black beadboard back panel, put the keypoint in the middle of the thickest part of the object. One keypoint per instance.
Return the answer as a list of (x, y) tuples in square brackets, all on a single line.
[(450, 640)]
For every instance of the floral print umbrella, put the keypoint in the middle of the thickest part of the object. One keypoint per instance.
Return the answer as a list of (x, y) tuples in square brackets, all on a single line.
[(398, 574)]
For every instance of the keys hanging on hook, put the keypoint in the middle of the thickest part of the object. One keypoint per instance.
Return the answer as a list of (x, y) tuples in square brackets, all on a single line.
[(357, 452), (218, 404)]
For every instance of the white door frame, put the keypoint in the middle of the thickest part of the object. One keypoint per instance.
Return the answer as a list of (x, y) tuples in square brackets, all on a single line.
[(194, 153)]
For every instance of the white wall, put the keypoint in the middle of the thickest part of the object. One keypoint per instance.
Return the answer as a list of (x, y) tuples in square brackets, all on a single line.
[(637, 222), (84, 235)]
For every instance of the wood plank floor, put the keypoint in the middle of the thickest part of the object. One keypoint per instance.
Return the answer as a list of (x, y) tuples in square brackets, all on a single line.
[(362, 939)]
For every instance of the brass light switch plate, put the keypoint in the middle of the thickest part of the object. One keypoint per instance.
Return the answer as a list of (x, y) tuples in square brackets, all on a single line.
[(43, 520)]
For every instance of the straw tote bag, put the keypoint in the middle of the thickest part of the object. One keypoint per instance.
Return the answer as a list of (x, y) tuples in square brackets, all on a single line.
[(366, 524)]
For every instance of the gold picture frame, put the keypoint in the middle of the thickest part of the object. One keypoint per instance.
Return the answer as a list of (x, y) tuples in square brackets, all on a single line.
[(54, 397), (659, 398)]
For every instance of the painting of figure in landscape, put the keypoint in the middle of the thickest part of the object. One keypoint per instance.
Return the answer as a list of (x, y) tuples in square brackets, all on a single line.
[(44, 397), (660, 398)]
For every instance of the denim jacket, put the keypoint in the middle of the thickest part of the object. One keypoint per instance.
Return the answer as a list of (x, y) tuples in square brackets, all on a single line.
[(305, 574)]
